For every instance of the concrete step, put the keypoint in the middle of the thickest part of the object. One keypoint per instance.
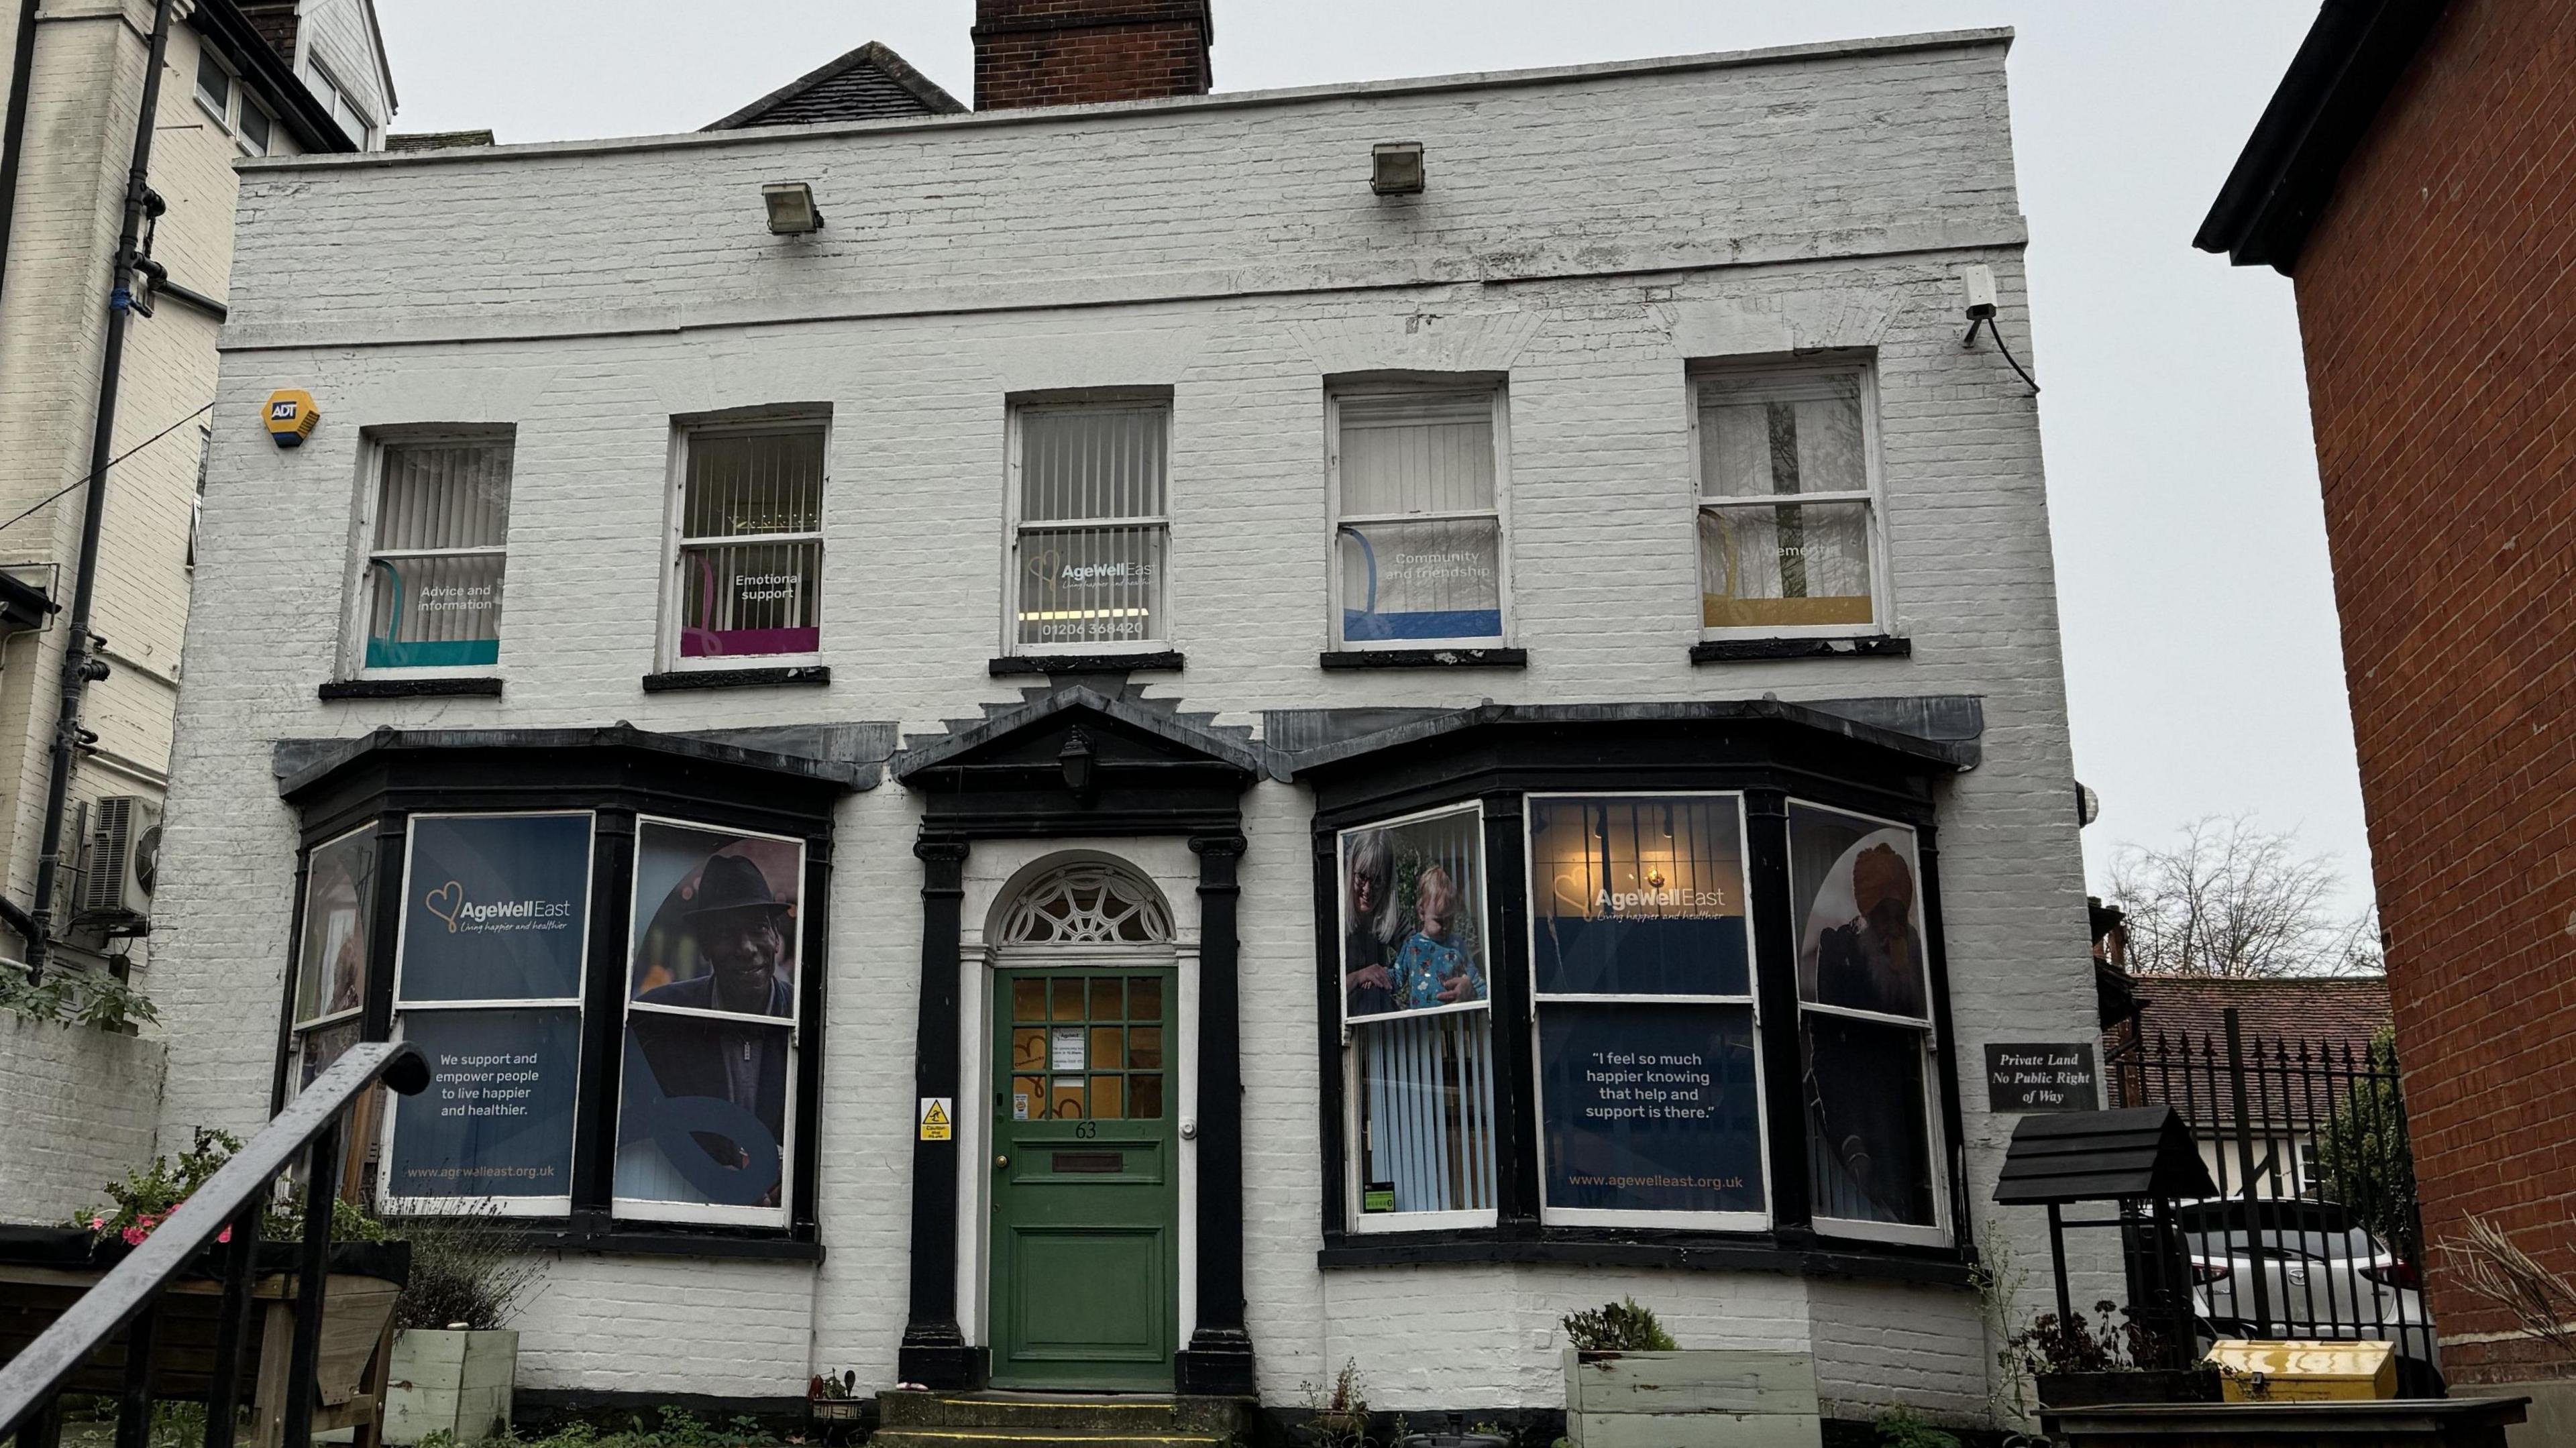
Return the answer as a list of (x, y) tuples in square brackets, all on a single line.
[(1157, 1417)]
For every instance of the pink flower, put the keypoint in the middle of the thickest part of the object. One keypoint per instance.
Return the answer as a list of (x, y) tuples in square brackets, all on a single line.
[(225, 1235), (134, 1236), (98, 1222)]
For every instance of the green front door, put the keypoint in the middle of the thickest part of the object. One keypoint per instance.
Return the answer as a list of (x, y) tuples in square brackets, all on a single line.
[(1086, 1245)]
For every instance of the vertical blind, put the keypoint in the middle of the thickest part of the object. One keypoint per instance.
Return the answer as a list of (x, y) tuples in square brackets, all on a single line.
[(442, 517), (1419, 538), (1092, 534), (751, 544)]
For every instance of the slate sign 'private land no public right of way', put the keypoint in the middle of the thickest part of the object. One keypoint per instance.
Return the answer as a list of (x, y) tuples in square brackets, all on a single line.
[(2051, 1076)]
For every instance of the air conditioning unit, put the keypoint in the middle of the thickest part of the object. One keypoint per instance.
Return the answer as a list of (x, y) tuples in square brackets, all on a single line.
[(124, 845)]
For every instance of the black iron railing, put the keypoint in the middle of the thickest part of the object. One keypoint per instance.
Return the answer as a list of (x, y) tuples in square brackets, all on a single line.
[(2314, 1232), (129, 1298)]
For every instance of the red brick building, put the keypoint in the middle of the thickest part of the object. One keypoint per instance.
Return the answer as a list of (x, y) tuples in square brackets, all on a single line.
[(2415, 176)]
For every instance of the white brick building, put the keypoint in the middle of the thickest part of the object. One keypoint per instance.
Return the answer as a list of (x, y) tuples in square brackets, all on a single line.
[(1244, 827)]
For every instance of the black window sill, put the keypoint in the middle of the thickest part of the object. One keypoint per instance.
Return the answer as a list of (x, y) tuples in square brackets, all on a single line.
[(1729, 651), (1425, 659), (1611, 1247), (650, 1239), (1164, 661), (680, 681), (480, 688)]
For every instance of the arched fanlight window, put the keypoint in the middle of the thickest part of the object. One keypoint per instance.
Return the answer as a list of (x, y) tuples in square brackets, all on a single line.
[(1087, 904)]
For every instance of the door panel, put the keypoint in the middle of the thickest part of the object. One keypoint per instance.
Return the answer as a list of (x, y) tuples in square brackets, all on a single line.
[(1085, 1240)]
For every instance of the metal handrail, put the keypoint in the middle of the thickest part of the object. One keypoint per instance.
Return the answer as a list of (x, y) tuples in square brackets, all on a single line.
[(236, 1195)]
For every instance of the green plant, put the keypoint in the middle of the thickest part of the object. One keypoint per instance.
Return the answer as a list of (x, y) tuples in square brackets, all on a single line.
[(146, 1198), (825, 1388), (75, 996), (1999, 1278), (673, 1428), (2365, 1158), (1898, 1428), (467, 1271), (1620, 1326), (284, 1220), (1338, 1415), (2118, 1343)]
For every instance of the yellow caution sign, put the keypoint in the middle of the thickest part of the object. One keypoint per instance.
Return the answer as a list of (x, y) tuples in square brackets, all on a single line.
[(935, 1125), (2304, 1372)]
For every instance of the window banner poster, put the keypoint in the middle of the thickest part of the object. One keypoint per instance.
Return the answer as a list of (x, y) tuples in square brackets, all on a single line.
[(496, 1117), (1650, 1108), (1853, 889), (495, 908), (1639, 895), (1413, 900), (709, 1027)]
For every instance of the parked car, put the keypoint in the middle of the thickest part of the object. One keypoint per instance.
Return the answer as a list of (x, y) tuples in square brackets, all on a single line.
[(2321, 1275)]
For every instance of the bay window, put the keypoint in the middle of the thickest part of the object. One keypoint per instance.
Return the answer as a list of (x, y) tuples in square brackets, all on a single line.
[(1788, 520), (747, 545), (1089, 533), (1417, 524), (610, 963), (437, 549), (1622, 980)]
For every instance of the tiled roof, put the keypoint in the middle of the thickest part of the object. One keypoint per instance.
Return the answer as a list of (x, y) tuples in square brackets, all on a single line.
[(870, 83), (2335, 1009)]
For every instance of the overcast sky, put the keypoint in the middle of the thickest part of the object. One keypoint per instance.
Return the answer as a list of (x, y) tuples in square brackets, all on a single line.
[(2202, 657)]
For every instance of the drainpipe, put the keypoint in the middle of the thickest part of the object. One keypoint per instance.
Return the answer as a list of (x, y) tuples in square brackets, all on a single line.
[(81, 665), (13, 131)]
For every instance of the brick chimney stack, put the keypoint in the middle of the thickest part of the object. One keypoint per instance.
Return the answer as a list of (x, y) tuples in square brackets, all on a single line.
[(1070, 52)]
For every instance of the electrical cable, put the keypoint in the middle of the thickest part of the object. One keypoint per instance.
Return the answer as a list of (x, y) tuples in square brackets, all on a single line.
[(1986, 322), (83, 479)]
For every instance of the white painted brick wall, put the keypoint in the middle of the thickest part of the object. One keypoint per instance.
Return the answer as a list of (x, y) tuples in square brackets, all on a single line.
[(1588, 236), (82, 1107)]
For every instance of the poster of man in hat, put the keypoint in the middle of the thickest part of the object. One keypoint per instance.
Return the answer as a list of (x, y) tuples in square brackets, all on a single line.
[(710, 1024)]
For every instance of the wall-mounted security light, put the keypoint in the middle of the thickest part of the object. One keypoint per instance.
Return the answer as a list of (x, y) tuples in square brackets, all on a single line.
[(791, 208), (1978, 283), (1395, 168)]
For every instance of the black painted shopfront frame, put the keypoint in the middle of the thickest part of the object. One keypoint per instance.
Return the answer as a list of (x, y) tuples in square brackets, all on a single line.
[(381, 780), (1498, 762)]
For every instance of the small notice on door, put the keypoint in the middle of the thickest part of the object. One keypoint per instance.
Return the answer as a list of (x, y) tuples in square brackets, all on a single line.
[(1019, 1106), (935, 1123), (1064, 1049)]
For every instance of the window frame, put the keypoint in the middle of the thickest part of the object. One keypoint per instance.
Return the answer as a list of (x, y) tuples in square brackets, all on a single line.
[(509, 1206), (1353, 1099), (335, 99), (1015, 479), (219, 107), (675, 540), (1751, 1001), (241, 128), (647, 1210), (1498, 391), (300, 1029), (1940, 1231), (360, 585), (1872, 497)]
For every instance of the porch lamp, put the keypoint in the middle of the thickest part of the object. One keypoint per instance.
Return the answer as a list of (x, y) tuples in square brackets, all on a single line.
[(1075, 759), (791, 208)]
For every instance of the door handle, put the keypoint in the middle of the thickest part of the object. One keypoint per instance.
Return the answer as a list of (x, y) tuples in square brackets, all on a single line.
[(1001, 1160)]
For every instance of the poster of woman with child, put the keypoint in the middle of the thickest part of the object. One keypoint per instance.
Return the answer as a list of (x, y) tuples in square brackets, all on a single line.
[(1412, 901)]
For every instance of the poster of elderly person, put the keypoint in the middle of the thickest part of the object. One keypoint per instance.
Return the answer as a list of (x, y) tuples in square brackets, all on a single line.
[(1413, 899)]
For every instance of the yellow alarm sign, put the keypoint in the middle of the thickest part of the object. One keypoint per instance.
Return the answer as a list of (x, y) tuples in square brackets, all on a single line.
[(290, 416)]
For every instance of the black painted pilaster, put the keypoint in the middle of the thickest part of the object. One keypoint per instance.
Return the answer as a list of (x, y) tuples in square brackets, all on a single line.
[(603, 1044), (1218, 1361), (934, 1351), (1775, 992), (1516, 1146)]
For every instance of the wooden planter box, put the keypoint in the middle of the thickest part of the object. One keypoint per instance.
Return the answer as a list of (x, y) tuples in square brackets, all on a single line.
[(2396, 1423), (453, 1382), (1700, 1398), (44, 1270), (2095, 1390)]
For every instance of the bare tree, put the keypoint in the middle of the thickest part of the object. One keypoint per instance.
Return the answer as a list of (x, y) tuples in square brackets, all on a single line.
[(2233, 899)]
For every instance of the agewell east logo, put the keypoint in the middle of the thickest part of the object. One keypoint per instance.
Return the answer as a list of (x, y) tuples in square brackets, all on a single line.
[(448, 903)]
